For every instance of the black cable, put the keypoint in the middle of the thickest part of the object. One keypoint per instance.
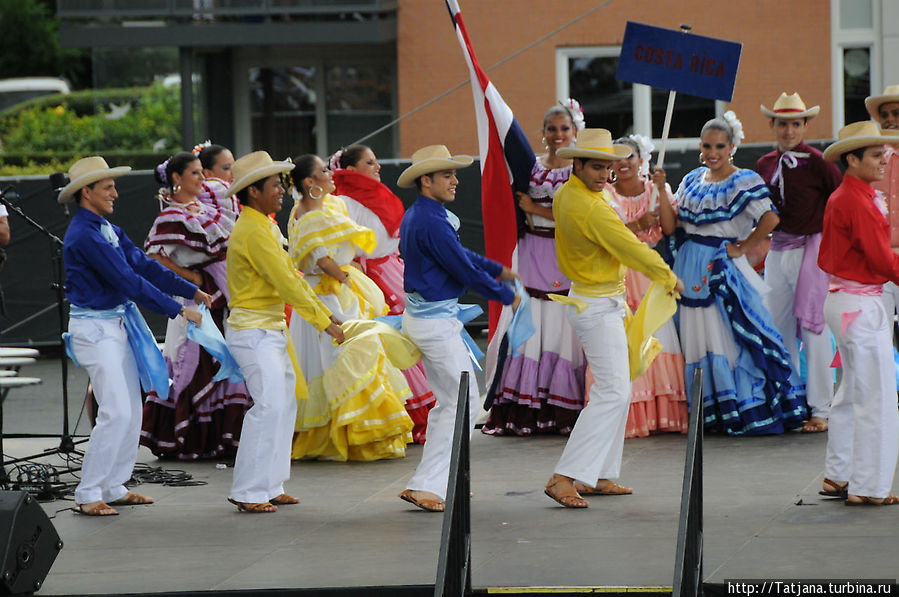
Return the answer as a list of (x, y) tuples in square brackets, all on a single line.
[(144, 473)]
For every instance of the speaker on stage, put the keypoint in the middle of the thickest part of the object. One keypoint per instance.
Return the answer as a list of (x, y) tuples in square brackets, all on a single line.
[(28, 543)]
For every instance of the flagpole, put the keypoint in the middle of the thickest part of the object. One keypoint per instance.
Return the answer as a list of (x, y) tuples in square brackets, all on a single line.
[(653, 201)]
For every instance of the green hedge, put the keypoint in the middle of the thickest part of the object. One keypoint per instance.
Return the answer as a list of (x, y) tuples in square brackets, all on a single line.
[(49, 133)]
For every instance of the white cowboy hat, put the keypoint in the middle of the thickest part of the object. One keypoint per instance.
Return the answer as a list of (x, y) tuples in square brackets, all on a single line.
[(432, 158), (873, 103), (857, 135), (789, 107), (255, 166), (87, 171), (595, 144)]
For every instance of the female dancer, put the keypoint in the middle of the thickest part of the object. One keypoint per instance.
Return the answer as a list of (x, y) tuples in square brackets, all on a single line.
[(540, 390), (355, 406), (203, 418), (217, 161), (748, 384), (371, 204), (658, 400)]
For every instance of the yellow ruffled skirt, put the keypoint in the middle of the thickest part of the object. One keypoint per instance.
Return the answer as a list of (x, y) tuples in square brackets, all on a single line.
[(355, 409)]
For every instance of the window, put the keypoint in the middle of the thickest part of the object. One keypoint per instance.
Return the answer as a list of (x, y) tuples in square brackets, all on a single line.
[(855, 62), (318, 106), (588, 75)]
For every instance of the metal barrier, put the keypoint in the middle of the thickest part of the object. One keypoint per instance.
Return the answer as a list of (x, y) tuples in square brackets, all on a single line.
[(454, 565), (688, 557)]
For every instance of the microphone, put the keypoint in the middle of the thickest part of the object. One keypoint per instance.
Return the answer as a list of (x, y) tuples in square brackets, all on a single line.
[(10, 193)]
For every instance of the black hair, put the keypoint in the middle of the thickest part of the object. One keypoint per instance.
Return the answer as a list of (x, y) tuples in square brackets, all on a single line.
[(352, 155), (77, 193), (304, 167), (208, 155), (243, 194), (558, 109), (859, 153), (177, 163), (417, 181)]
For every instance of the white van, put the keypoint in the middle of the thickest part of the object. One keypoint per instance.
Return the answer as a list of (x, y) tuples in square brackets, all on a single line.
[(20, 89)]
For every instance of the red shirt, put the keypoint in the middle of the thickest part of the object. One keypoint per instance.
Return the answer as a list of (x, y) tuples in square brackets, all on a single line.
[(855, 244), (807, 187)]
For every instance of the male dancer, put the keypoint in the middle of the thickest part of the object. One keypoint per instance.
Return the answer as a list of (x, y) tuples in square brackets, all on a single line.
[(438, 271), (885, 110), (594, 248), (800, 182), (104, 273), (863, 441), (260, 281)]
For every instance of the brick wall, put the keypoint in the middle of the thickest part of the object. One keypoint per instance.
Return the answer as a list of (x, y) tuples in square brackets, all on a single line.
[(430, 61)]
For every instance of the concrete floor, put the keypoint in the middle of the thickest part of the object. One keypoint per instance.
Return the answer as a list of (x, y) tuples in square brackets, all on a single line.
[(763, 519)]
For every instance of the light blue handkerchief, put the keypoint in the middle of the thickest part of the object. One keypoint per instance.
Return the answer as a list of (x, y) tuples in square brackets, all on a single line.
[(210, 338)]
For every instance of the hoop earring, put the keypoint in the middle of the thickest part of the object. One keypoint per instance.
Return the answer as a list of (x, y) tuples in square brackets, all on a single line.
[(321, 192), (701, 160), (730, 160), (176, 189), (613, 178)]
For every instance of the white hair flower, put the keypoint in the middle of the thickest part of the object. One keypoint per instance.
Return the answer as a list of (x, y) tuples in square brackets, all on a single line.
[(577, 113), (645, 148), (736, 128)]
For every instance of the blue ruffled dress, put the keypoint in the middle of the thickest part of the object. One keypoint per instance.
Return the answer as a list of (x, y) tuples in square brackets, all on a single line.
[(749, 384)]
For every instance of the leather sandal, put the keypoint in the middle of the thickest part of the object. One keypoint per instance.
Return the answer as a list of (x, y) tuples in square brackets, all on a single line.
[(609, 488), (132, 499), (434, 504), (830, 488), (284, 500), (254, 508), (814, 425), (561, 489), (99, 508), (863, 500)]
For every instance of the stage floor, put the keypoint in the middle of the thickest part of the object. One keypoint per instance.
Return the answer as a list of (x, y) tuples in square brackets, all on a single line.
[(763, 520)]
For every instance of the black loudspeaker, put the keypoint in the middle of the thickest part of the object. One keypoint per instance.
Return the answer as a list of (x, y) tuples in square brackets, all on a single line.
[(28, 543)]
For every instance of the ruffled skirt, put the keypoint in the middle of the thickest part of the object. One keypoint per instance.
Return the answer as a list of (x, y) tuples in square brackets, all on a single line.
[(749, 385), (355, 409), (540, 390)]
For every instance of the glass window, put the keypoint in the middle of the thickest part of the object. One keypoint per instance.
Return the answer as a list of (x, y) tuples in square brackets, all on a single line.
[(855, 14), (690, 113), (607, 102), (856, 83), (359, 99), (282, 110)]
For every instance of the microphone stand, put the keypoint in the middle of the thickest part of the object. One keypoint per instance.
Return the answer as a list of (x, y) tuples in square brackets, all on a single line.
[(66, 442)]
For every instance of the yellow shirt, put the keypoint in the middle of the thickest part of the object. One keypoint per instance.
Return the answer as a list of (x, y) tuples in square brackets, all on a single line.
[(261, 278), (594, 247)]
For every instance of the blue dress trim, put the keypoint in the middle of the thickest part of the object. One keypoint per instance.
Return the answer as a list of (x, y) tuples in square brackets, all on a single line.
[(701, 202)]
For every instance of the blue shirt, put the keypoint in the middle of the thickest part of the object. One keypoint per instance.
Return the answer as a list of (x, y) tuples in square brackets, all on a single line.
[(101, 275), (437, 266)]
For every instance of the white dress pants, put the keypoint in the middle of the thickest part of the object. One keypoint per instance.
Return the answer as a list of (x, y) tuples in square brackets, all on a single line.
[(596, 443), (863, 435), (782, 274), (262, 464), (101, 347), (445, 357)]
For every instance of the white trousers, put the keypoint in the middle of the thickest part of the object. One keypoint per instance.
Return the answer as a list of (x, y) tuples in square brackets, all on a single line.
[(596, 443), (891, 298), (262, 464), (863, 435), (445, 357), (101, 347), (782, 274)]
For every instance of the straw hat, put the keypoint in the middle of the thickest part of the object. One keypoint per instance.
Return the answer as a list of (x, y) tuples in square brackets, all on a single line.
[(255, 166), (857, 135), (789, 107), (873, 103), (87, 171), (595, 144), (432, 158)]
